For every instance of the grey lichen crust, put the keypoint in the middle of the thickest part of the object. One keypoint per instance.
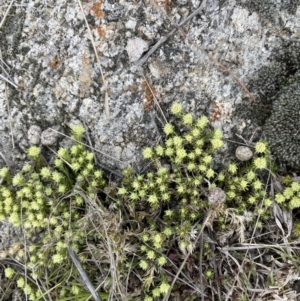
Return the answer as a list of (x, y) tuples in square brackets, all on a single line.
[(269, 9), (283, 127)]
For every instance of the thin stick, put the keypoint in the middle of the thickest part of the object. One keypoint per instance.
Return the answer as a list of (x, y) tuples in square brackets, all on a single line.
[(83, 274), (211, 58), (6, 13), (106, 105), (155, 100), (8, 106), (164, 39)]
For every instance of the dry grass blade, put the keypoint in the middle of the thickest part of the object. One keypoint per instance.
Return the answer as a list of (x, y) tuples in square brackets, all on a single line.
[(7, 102), (83, 274), (106, 104), (6, 13), (155, 99), (8, 78), (8, 81)]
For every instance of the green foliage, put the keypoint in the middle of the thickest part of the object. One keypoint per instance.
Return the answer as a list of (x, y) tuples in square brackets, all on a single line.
[(144, 226)]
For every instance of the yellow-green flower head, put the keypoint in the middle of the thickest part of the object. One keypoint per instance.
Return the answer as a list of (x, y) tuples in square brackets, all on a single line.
[(18, 180), (191, 166), (164, 288), (294, 203), (156, 292), (251, 200), (78, 130), (9, 272), (151, 255), (21, 282), (27, 168), (216, 143), (188, 138), (75, 289), (4, 172), (243, 184), (181, 153), (89, 156), (63, 152), (145, 237), (210, 173), (260, 163), (177, 141), (188, 119), (232, 168), (195, 132), (221, 177), (176, 108), (217, 134), (202, 122), (144, 264), (14, 219), (168, 231), (159, 150), (268, 202), (45, 173), (148, 153), (207, 159), (161, 260), (251, 175), (261, 147), (288, 193), (295, 186), (257, 185), (168, 129), (153, 199), (157, 240), (34, 152), (122, 191), (57, 176)]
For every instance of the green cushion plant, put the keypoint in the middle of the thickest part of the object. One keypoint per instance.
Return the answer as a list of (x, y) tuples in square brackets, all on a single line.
[(143, 226)]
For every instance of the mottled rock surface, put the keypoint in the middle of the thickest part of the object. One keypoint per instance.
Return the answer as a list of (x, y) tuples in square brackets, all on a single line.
[(50, 57)]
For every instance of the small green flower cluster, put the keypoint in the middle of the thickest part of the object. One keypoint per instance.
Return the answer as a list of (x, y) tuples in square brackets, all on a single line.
[(163, 208), (50, 200), (290, 196), (177, 192), (244, 185), (177, 189)]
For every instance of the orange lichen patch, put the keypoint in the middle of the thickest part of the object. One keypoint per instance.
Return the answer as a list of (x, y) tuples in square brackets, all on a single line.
[(150, 93), (85, 61), (96, 9), (165, 3), (217, 111), (55, 63), (100, 31)]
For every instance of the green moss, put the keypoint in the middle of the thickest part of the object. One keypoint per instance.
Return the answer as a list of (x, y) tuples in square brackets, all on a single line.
[(144, 225), (282, 128)]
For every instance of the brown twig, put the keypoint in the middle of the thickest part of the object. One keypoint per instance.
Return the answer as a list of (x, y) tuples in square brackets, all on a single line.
[(211, 58)]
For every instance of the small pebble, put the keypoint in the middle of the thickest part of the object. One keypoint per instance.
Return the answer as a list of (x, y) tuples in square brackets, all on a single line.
[(34, 134), (243, 153), (49, 137), (216, 196)]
